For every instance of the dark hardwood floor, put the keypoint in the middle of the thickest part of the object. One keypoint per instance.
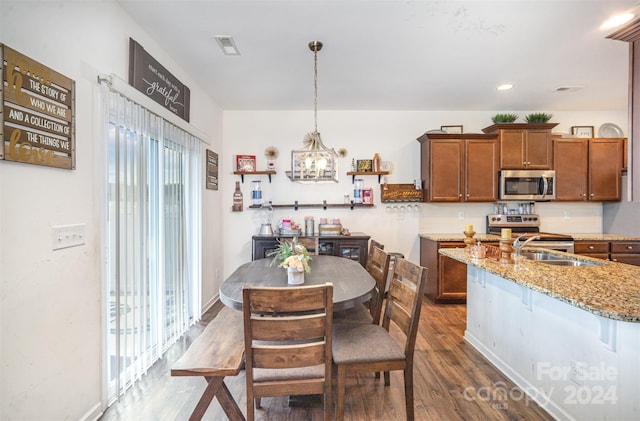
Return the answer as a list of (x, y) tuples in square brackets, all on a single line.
[(452, 381)]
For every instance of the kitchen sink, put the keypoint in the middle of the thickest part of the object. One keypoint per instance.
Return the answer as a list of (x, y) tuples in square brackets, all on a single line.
[(569, 262), (556, 259), (541, 255)]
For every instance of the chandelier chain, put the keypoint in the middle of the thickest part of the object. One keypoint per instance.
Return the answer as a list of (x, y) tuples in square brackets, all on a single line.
[(315, 90)]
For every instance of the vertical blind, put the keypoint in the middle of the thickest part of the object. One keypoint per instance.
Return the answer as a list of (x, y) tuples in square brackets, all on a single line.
[(153, 248)]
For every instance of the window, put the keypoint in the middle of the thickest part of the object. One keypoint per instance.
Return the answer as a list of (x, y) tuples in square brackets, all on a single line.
[(153, 241)]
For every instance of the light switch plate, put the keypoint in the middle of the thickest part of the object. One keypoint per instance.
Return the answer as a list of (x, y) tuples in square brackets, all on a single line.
[(68, 236)]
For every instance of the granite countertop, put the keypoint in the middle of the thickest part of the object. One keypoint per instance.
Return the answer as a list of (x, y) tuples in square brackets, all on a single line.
[(610, 290), (492, 237)]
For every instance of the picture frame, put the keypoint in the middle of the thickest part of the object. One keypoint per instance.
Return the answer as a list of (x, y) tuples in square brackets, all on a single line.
[(365, 165), (245, 163), (452, 129), (582, 131), (211, 170)]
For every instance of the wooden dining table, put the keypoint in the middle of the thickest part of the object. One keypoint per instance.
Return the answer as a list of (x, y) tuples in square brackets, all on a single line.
[(352, 284)]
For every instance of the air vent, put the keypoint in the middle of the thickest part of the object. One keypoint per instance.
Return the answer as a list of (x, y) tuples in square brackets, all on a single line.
[(569, 88), (227, 45)]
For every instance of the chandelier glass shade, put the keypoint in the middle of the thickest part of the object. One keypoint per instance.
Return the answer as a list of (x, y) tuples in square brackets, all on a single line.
[(314, 162)]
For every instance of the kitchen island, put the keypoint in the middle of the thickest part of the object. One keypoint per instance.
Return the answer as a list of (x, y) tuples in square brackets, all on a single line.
[(568, 336)]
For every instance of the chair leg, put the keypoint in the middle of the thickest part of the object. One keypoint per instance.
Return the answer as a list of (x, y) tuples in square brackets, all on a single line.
[(250, 409), (328, 402), (408, 391), (342, 380)]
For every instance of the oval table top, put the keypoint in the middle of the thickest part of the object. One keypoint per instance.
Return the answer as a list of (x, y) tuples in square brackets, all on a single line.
[(352, 284)]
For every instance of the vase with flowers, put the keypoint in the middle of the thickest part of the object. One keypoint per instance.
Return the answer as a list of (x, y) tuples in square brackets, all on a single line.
[(293, 256)]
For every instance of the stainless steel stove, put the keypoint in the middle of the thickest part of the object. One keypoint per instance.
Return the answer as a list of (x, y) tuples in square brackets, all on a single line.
[(528, 225)]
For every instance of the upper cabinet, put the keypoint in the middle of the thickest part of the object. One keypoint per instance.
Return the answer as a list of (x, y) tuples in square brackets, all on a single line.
[(588, 169), (524, 145), (459, 167)]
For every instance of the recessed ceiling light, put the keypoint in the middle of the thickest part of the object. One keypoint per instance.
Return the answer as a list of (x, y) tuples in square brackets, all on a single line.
[(617, 20), (505, 87), (227, 44)]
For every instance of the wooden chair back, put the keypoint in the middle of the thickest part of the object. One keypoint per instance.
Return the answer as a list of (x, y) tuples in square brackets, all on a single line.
[(378, 267), (287, 335), (373, 244), (311, 244), (404, 301)]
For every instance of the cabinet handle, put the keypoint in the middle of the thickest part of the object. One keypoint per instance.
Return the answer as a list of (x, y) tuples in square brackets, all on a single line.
[(591, 247), (592, 194), (629, 247), (615, 260), (460, 195), (468, 196)]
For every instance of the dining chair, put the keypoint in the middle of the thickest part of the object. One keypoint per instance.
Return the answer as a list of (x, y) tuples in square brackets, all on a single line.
[(310, 243), (287, 337), (366, 348), (378, 267)]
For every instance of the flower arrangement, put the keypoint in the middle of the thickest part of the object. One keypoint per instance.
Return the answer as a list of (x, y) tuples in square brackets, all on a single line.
[(292, 254)]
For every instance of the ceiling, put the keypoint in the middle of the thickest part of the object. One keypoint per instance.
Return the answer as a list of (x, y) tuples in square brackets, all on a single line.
[(396, 55)]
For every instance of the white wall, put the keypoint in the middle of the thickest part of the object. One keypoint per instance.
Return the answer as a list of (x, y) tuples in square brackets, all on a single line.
[(51, 301), (392, 134)]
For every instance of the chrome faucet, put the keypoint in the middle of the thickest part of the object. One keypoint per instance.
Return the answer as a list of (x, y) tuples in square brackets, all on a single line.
[(517, 246)]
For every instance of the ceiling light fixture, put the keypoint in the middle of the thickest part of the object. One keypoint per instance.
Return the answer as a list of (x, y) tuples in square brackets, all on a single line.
[(505, 87), (227, 45), (315, 162), (617, 20)]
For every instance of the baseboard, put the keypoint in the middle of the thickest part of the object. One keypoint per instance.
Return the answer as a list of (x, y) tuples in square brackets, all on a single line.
[(93, 414), (209, 303)]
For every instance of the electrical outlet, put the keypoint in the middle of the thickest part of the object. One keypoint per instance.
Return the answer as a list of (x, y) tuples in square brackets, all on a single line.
[(567, 215), (577, 372), (460, 215), (64, 236)]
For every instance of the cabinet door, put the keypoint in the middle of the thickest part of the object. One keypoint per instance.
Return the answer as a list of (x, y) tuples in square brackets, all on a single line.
[(539, 152), (452, 277), (605, 169), (571, 158), (512, 149), (588, 248), (445, 178), (481, 170), (354, 251), (630, 259)]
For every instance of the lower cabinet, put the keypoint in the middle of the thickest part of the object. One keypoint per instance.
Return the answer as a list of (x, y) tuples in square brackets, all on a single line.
[(354, 246), (617, 251), (447, 278)]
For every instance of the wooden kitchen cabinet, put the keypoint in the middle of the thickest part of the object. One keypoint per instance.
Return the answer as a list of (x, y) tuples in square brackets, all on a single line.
[(459, 168), (588, 169), (617, 251), (524, 145), (447, 280), (354, 246)]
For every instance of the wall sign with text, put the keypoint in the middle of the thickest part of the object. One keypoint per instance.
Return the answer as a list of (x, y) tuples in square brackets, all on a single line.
[(149, 77), (38, 116)]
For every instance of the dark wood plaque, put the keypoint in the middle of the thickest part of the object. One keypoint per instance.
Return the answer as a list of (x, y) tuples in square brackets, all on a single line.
[(38, 116), (152, 79), (212, 170), (400, 193)]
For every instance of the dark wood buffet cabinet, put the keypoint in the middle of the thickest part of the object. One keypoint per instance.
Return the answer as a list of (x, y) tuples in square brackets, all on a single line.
[(354, 246)]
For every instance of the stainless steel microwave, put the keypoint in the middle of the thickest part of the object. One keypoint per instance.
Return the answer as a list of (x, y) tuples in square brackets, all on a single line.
[(527, 185)]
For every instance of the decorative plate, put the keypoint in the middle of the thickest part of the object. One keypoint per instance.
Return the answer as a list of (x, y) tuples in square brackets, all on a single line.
[(385, 166), (610, 130)]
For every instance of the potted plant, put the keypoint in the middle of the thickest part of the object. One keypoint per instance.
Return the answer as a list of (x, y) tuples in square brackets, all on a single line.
[(504, 118), (295, 257), (538, 118)]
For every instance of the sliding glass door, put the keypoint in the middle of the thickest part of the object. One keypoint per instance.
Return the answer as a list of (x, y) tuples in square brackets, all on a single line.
[(153, 239)]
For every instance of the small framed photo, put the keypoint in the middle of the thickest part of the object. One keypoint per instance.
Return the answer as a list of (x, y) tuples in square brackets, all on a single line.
[(451, 129), (582, 131), (246, 163), (365, 165)]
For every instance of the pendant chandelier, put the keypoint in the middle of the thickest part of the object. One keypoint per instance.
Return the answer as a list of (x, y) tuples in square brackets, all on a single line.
[(315, 162)]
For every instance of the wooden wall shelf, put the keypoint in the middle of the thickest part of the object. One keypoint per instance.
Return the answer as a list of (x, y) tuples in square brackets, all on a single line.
[(243, 173), (378, 173), (324, 205)]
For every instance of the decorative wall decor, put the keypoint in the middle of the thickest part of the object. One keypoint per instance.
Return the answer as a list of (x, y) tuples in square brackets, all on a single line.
[(149, 77), (38, 118), (212, 170), (246, 163)]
